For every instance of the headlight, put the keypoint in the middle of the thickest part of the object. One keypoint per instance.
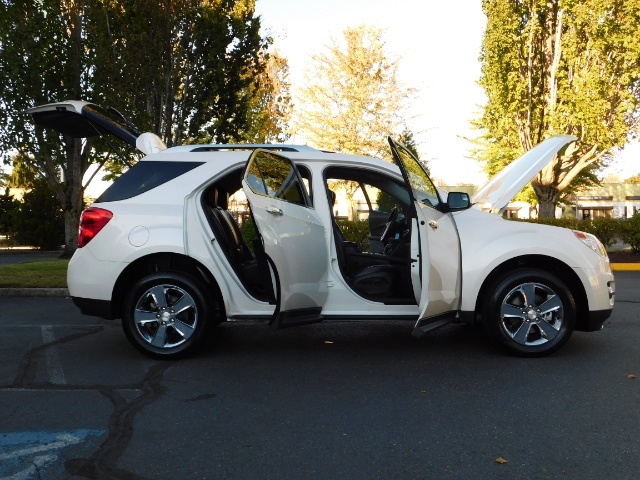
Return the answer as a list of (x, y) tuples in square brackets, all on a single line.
[(592, 242)]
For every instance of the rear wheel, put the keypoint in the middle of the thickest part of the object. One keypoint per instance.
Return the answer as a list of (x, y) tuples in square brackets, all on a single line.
[(165, 315), (529, 312)]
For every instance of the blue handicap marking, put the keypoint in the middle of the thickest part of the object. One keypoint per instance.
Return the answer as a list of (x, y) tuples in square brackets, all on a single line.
[(25, 455)]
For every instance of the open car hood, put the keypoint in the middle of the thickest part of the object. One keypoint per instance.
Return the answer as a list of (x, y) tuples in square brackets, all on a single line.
[(80, 119), (500, 190)]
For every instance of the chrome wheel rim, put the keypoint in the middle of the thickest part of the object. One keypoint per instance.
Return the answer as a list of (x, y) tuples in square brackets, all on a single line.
[(166, 316), (531, 314)]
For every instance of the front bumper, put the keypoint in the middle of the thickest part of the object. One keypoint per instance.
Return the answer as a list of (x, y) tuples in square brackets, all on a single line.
[(594, 321)]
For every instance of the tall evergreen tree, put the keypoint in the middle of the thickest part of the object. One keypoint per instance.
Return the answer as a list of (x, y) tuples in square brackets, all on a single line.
[(559, 67), (353, 98)]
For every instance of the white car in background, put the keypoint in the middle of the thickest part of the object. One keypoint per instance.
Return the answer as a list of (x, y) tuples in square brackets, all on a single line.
[(161, 250)]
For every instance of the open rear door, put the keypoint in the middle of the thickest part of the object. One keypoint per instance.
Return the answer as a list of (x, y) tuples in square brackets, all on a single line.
[(293, 237)]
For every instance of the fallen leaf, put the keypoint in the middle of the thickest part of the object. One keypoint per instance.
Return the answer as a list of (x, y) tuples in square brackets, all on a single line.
[(631, 375), (501, 460)]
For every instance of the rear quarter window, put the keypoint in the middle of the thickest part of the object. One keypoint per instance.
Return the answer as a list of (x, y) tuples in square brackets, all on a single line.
[(144, 176)]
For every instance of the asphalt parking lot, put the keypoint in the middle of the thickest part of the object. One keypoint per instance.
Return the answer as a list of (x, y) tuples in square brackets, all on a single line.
[(333, 400)]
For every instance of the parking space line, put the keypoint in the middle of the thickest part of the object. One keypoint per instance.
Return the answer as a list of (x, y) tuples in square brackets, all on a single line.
[(52, 359)]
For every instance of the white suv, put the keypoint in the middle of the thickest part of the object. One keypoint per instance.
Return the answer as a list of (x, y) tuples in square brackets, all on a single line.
[(161, 250)]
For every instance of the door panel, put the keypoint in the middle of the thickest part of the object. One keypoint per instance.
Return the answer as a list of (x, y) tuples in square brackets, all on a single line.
[(445, 276), (440, 278), (293, 236)]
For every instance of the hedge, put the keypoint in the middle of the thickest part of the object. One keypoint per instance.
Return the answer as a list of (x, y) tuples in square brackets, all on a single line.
[(607, 230)]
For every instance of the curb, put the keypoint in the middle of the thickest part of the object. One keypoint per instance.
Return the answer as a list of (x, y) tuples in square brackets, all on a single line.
[(628, 267), (34, 292)]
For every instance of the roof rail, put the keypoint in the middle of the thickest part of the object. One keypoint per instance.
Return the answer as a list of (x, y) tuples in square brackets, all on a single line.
[(252, 146)]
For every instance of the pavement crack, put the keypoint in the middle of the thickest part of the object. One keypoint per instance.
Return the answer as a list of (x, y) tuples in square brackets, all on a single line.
[(28, 369), (102, 465), (206, 396)]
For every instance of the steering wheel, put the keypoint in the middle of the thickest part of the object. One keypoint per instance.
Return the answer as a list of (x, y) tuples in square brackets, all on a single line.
[(390, 221)]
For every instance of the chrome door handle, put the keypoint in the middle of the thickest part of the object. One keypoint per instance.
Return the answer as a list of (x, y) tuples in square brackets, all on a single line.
[(274, 211), (433, 224)]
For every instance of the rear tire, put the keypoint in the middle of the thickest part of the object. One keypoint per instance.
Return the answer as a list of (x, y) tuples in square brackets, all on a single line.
[(166, 315), (529, 313)]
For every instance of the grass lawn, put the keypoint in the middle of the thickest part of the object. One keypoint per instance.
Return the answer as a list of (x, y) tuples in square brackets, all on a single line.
[(39, 273)]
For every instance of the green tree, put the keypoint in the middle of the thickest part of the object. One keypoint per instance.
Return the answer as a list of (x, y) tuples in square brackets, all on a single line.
[(188, 70), (407, 139), (559, 67), (270, 106), (633, 179), (22, 175), (8, 206), (43, 57), (38, 220), (353, 99)]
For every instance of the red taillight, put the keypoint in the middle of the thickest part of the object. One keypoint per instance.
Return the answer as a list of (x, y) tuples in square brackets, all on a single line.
[(91, 222)]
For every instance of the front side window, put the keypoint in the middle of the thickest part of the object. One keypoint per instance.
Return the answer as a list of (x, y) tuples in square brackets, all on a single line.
[(275, 176), (423, 189)]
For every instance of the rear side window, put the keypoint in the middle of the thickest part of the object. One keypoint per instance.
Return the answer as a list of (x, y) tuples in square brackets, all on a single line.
[(275, 176), (144, 176)]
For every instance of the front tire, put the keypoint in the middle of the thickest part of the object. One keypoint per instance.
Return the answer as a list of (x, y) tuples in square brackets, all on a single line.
[(530, 313), (166, 315)]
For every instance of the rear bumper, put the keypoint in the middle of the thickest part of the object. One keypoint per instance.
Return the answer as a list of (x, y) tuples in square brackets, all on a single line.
[(94, 308)]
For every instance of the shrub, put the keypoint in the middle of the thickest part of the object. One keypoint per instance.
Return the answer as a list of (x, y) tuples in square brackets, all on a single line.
[(39, 220), (8, 207), (606, 229), (249, 233), (629, 231), (356, 231)]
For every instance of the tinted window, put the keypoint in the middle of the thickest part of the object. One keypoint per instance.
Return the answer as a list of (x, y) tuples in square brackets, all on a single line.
[(423, 189), (144, 176), (275, 176)]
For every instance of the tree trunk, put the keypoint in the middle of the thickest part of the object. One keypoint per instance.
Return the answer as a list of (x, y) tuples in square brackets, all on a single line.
[(74, 202), (548, 198)]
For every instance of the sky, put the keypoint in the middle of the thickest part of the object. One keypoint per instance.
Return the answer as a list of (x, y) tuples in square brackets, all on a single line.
[(438, 44)]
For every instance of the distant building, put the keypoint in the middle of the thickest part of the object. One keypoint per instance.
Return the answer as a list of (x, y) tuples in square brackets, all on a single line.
[(612, 200)]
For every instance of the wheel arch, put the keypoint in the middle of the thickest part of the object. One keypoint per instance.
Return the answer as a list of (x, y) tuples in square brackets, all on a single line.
[(542, 262), (167, 262)]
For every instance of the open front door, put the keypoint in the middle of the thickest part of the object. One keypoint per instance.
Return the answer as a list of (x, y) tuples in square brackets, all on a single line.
[(292, 235), (435, 246)]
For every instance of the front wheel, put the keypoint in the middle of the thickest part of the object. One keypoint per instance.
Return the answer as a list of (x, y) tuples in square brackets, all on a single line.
[(529, 312), (165, 315)]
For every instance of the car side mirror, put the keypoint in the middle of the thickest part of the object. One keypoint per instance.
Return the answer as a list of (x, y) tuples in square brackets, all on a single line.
[(458, 201)]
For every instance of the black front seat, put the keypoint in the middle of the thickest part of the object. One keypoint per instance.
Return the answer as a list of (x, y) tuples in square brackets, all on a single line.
[(373, 280)]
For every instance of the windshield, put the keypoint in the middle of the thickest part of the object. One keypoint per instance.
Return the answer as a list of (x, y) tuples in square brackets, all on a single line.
[(421, 186)]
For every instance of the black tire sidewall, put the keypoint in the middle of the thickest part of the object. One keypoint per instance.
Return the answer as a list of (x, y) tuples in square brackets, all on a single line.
[(498, 291), (186, 283)]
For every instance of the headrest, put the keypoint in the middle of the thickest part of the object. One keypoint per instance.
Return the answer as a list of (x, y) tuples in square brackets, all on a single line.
[(217, 198)]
